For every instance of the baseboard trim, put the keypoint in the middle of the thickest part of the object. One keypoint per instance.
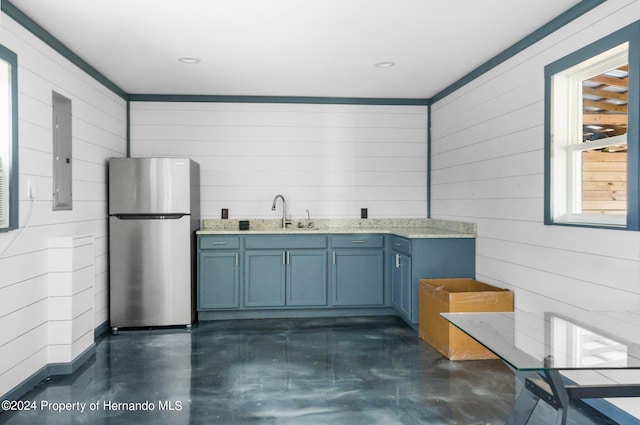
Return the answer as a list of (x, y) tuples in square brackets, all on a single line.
[(26, 385), (72, 366), (612, 411), (101, 329), (45, 372), (204, 316)]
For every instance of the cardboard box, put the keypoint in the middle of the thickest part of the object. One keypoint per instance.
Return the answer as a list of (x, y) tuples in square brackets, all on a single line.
[(457, 295)]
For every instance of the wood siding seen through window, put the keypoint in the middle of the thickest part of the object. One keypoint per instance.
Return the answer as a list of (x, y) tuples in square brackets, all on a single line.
[(604, 182)]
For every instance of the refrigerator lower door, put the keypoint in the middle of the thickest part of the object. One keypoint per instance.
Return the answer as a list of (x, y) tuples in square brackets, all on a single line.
[(150, 272)]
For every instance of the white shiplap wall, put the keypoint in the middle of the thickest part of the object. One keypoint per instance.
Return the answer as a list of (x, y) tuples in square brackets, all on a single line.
[(99, 132), (488, 168), (330, 159)]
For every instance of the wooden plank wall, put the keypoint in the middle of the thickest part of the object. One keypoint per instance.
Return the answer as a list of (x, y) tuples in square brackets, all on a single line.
[(604, 182), (330, 159), (99, 132), (488, 168)]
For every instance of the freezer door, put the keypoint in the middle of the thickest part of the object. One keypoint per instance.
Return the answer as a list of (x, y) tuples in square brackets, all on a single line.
[(149, 185), (150, 268)]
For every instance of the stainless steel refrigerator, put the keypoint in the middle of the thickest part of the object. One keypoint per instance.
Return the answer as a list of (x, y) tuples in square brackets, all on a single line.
[(154, 211)]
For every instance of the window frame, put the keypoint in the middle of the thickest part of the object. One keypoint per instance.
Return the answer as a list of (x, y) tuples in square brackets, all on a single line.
[(631, 36), (11, 58)]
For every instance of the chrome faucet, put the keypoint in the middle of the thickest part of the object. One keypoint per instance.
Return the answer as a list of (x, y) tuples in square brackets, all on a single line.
[(284, 209)]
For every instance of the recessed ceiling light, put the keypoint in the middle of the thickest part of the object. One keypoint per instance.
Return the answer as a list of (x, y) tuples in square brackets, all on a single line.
[(189, 60), (385, 64)]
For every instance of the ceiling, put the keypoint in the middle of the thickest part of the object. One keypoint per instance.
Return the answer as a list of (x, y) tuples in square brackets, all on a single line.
[(289, 47), (604, 101)]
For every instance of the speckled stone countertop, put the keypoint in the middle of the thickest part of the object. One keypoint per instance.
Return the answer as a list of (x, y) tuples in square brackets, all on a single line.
[(413, 228)]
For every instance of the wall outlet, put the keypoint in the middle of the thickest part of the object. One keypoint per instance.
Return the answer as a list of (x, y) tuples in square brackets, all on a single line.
[(32, 189), (364, 213), (225, 213)]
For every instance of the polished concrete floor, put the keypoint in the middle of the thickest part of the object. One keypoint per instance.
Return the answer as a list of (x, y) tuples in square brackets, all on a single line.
[(276, 372)]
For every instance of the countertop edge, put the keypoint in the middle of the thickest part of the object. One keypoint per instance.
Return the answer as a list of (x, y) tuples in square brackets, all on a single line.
[(409, 233)]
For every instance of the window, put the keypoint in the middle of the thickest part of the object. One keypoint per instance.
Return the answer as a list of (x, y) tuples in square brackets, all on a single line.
[(577, 345), (8, 140), (591, 135)]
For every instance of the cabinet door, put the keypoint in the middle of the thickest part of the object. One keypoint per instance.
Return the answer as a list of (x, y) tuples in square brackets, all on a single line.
[(406, 299), (264, 278), (218, 280), (401, 294), (307, 278), (358, 277), (396, 280)]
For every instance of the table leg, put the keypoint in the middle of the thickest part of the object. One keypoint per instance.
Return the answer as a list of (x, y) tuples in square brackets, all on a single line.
[(560, 395), (550, 388), (523, 408)]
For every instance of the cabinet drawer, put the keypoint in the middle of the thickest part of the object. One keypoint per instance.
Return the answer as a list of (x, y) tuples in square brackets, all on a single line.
[(285, 242), (219, 242), (401, 245), (357, 241)]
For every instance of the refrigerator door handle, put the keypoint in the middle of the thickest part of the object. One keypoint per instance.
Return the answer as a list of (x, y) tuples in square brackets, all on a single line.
[(149, 216)]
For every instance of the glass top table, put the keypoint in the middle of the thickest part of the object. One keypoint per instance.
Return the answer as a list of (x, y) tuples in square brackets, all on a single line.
[(538, 345), (561, 341)]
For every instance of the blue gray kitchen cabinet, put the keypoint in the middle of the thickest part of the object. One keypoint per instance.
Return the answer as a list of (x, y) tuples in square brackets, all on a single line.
[(252, 276), (218, 272), (264, 278), (357, 270), (401, 285), (307, 277), (286, 270), (438, 258)]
